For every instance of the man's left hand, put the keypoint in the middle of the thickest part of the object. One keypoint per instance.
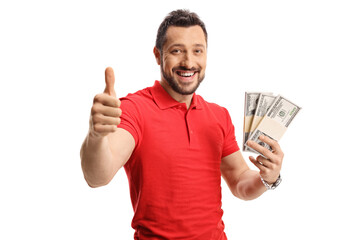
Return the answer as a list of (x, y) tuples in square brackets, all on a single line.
[(270, 165)]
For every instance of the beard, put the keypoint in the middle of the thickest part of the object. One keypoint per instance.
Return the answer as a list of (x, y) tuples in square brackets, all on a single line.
[(181, 88)]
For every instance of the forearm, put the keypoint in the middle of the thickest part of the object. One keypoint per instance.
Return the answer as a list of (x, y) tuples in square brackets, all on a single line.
[(96, 161), (249, 185)]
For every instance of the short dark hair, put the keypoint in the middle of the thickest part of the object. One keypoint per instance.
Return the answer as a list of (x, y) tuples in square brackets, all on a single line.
[(178, 18)]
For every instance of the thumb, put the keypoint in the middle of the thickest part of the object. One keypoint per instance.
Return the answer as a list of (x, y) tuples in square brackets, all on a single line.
[(110, 82)]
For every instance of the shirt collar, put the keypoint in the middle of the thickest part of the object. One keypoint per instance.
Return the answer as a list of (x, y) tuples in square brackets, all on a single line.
[(164, 100)]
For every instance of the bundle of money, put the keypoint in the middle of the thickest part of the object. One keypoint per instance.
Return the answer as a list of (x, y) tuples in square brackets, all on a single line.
[(265, 114)]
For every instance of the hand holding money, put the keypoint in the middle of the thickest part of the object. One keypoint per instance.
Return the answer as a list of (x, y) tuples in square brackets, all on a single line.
[(273, 124), (269, 162), (266, 118)]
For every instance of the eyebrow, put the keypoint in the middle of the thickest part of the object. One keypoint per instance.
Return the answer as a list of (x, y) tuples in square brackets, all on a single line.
[(199, 45), (182, 45)]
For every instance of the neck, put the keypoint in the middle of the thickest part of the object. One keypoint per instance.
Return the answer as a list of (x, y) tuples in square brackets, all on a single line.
[(176, 96)]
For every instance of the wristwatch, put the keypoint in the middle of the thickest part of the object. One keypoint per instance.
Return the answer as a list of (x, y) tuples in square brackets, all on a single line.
[(271, 186)]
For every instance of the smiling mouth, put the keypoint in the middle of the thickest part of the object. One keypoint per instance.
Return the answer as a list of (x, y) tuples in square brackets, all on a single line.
[(185, 74)]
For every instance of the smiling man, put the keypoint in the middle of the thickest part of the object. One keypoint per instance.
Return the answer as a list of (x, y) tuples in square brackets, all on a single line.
[(182, 60), (173, 145)]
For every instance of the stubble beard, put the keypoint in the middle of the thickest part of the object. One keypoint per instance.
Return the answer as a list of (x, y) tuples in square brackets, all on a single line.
[(176, 86)]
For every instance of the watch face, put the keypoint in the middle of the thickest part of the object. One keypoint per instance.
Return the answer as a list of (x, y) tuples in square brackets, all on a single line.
[(277, 183)]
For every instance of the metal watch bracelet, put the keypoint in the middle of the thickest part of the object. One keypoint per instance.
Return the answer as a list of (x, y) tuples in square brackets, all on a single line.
[(271, 186)]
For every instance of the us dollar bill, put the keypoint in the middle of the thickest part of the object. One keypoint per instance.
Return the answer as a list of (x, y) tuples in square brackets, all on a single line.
[(250, 103), (255, 137), (275, 122), (265, 100), (283, 111)]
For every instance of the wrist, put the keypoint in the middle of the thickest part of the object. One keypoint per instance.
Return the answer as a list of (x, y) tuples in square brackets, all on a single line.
[(93, 135), (271, 186)]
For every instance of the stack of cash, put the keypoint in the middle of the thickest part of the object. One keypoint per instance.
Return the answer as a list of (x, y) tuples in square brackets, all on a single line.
[(266, 114)]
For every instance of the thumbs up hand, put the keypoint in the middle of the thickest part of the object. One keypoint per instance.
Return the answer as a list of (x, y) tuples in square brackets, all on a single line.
[(110, 82), (105, 112)]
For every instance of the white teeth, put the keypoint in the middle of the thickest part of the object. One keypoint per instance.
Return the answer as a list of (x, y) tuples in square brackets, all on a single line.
[(186, 74)]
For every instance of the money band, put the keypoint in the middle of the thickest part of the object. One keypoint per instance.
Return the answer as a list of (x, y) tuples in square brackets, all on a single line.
[(272, 128)]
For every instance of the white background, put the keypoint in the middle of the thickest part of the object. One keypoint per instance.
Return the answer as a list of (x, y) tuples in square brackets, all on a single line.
[(52, 60)]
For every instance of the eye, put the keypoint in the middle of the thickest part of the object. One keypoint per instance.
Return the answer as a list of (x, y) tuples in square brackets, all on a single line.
[(176, 51), (198, 51)]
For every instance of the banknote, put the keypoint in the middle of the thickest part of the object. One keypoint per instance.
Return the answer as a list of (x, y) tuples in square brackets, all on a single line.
[(265, 100), (255, 137), (250, 103), (276, 121)]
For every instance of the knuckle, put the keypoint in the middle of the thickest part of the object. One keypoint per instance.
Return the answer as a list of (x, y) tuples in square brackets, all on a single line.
[(97, 128), (271, 167), (276, 161), (95, 108), (111, 102), (96, 118), (266, 172), (118, 103), (116, 112), (97, 97), (278, 157), (267, 152), (257, 148)]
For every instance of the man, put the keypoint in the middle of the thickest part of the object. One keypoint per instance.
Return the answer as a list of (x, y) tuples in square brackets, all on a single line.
[(173, 144)]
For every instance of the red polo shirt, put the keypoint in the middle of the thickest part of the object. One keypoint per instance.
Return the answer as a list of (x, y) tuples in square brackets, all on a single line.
[(174, 172)]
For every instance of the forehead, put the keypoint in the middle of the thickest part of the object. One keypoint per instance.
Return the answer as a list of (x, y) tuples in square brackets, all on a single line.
[(189, 36)]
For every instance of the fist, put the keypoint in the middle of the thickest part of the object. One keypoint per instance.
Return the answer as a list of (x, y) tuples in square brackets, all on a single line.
[(105, 112)]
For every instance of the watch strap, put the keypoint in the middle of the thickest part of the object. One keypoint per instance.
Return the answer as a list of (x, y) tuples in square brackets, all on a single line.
[(273, 185)]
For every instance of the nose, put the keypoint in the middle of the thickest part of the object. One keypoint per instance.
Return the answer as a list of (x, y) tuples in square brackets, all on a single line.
[(187, 60)]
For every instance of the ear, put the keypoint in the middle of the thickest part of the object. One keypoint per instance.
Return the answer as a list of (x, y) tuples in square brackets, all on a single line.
[(157, 55)]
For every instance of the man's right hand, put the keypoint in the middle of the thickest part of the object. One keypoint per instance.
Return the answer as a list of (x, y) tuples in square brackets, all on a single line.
[(106, 147), (105, 112)]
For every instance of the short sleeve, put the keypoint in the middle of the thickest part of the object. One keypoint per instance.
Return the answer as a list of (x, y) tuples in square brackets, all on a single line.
[(230, 143), (130, 118)]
